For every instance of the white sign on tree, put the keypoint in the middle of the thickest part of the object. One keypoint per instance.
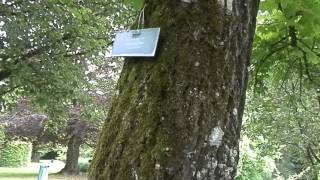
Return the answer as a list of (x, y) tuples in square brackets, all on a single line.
[(136, 43)]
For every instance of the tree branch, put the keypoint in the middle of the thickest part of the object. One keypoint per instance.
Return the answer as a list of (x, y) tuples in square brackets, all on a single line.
[(9, 90), (314, 154), (306, 65), (263, 60), (310, 48)]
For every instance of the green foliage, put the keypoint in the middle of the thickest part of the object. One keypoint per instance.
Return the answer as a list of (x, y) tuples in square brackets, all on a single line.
[(58, 150), (283, 103), (50, 155), (86, 152), (15, 154), (252, 164), (85, 158), (44, 52), (286, 44), (2, 136), (47, 47), (52, 52), (137, 4), (84, 166), (251, 169), (288, 121)]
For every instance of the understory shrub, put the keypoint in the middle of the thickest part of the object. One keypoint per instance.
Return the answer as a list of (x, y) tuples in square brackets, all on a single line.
[(84, 164), (83, 167), (15, 154), (52, 154)]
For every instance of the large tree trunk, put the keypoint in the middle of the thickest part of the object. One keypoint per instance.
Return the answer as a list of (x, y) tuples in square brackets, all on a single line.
[(71, 167), (178, 116)]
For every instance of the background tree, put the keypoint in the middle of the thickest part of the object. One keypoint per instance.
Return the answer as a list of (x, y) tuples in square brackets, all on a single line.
[(24, 123), (77, 131), (81, 131)]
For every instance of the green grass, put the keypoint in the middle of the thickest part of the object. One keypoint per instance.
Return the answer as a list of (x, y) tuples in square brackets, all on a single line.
[(17, 173), (26, 174), (31, 173)]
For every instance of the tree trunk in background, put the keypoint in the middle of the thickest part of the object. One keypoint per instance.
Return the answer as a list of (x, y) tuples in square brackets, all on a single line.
[(35, 154), (71, 167), (178, 116)]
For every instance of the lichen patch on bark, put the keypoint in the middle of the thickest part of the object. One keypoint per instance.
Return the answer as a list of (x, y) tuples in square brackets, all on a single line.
[(226, 4), (215, 138)]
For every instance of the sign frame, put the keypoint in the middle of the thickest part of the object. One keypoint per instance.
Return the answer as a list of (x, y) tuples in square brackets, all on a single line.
[(136, 43)]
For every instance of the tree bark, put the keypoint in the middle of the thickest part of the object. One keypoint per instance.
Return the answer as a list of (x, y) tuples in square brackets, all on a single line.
[(35, 154), (71, 167), (178, 116)]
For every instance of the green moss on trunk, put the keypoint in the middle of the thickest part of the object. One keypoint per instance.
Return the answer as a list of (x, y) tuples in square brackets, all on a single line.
[(176, 115)]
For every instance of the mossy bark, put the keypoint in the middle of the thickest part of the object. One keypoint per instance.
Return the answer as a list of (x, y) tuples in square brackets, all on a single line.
[(177, 116)]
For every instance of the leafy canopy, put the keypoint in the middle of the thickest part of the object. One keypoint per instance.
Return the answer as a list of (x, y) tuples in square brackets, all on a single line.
[(284, 99), (45, 45)]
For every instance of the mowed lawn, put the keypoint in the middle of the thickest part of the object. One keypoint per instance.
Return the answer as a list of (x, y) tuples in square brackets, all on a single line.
[(31, 172)]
